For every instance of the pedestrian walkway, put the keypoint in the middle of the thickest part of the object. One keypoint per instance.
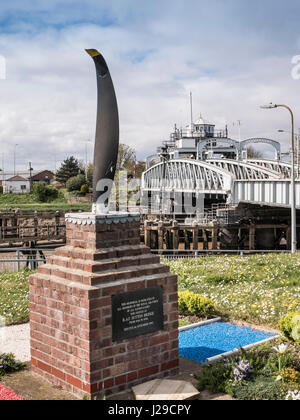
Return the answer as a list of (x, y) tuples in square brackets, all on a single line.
[(16, 339)]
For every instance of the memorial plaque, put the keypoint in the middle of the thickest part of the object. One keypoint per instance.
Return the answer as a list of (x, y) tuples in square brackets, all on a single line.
[(137, 313)]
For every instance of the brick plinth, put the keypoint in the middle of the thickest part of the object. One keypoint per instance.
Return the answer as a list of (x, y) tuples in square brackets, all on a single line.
[(71, 315)]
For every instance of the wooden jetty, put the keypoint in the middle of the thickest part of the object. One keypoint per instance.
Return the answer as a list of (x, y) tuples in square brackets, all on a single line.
[(256, 229), (21, 227)]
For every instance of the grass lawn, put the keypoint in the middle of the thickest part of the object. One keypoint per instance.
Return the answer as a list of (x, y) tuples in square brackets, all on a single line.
[(259, 289), (28, 203), (14, 297)]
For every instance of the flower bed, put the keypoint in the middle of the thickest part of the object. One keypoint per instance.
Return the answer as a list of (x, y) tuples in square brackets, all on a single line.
[(265, 373)]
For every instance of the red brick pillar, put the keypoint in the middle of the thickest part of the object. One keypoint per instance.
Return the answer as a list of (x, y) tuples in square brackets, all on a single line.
[(73, 341)]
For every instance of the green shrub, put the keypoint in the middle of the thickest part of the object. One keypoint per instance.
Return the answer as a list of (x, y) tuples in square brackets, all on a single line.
[(261, 388), (1, 189), (84, 189), (290, 326), (75, 183), (39, 191), (213, 377), (44, 193), (8, 364), (51, 193), (190, 303)]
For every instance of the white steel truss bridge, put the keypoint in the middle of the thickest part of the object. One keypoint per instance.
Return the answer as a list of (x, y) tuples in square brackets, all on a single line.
[(264, 182)]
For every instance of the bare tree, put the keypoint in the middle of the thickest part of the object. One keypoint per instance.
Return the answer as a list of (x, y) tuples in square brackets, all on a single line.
[(126, 158), (253, 153)]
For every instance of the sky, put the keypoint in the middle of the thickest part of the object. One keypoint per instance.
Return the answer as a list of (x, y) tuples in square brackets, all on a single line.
[(234, 55)]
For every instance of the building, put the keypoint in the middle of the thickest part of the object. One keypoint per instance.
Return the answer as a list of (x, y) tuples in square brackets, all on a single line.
[(43, 176), (20, 183), (16, 185)]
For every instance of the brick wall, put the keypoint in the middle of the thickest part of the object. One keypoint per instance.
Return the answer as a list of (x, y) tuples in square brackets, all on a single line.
[(70, 304), (103, 235)]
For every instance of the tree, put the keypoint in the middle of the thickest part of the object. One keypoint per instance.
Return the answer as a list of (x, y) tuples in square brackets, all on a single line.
[(126, 161), (140, 168), (90, 170), (126, 158), (253, 153), (69, 168)]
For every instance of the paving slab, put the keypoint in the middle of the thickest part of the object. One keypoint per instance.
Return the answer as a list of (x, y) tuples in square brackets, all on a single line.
[(165, 390)]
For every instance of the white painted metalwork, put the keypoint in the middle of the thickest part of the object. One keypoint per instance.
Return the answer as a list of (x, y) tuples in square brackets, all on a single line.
[(281, 167), (204, 144), (265, 192), (245, 170), (244, 144), (263, 182), (187, 176)]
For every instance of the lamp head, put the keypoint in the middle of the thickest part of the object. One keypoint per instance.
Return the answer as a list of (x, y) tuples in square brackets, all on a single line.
[(270, 106)]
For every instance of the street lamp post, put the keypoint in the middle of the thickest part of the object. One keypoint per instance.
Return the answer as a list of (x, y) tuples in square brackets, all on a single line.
[(297, 148), (86, 157), (15, 148), (293, 191)]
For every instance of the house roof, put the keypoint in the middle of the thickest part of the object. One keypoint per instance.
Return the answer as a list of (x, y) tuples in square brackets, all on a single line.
[(17, 178), (6, 176), (202, 121)]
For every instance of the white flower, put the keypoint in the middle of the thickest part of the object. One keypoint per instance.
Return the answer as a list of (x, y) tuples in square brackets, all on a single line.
[(281, 349), (293, 396)]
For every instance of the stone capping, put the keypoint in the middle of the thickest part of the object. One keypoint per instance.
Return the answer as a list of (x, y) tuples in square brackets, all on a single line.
[(200, 324), (238, 350), (104, 218)]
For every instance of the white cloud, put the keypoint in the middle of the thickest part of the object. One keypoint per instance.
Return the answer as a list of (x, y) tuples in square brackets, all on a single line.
[(48, 102)]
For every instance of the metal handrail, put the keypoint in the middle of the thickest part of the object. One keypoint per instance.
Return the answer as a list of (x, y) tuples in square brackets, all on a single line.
[(22, 258)]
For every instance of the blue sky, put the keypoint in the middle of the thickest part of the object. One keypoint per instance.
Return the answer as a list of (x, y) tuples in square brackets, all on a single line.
[(233, 54)]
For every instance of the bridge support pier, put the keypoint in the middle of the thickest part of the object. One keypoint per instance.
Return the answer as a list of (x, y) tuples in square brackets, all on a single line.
[(252, 238), (289, 237), (215, 238), (195, 238)]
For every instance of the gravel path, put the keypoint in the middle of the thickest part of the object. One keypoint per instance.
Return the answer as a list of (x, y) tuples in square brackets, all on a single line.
[(15, 339)]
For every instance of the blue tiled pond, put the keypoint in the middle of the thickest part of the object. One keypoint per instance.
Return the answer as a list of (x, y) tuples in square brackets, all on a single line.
[(203, 342)]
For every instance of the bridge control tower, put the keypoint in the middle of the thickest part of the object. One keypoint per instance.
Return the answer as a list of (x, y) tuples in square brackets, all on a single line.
[(202, 135)]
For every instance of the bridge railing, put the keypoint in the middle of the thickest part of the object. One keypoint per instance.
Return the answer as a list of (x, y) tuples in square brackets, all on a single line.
[(177, 254)]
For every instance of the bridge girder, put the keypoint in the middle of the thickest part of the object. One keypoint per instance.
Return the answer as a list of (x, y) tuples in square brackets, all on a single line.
[(245, 170), (240, 181), (281, 167), (187, 175)]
